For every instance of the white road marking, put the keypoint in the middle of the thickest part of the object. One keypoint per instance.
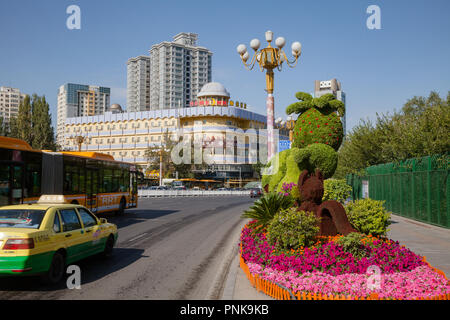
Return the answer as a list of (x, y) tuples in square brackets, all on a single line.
[(137, 237)]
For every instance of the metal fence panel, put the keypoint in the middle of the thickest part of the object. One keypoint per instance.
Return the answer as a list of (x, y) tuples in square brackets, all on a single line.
[(416, 188)]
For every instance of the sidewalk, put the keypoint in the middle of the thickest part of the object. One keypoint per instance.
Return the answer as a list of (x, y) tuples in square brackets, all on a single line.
[(423, 239), (238, 287)]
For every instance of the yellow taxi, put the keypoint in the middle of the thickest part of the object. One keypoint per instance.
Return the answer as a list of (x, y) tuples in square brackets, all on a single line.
[(45, 237)]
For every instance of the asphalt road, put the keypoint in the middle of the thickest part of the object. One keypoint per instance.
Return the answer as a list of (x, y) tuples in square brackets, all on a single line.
[(167, 249)]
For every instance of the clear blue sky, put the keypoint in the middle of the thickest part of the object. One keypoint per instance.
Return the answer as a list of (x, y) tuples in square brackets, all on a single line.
[(379, 69)]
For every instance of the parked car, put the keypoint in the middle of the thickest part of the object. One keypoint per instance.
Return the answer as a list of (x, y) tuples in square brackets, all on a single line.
[(158, 188), (255, 193), (43, 238)]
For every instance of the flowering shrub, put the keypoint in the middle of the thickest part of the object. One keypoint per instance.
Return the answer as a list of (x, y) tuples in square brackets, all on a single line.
[(353, 243), (421, 282), (329, 257), (328, 269), (368, 216), (286, 188), (336, 189), (292, 229)]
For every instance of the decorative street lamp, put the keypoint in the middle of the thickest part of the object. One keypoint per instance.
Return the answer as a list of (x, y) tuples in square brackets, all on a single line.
[(268, 59)]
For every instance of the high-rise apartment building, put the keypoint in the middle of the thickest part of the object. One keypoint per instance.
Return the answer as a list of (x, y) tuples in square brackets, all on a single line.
[(331, 86), (78, 100), (10, 99), (138, 84), (179, 69)]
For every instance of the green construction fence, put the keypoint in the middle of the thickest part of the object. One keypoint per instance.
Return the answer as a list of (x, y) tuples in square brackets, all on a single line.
[(417, 188)]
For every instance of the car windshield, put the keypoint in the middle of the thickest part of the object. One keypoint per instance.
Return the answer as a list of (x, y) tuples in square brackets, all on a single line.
[(21, 218)]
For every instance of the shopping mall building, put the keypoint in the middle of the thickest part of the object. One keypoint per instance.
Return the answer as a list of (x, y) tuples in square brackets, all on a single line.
[(212, 119)]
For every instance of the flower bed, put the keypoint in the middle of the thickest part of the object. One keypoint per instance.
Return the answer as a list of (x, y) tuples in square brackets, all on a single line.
[(328, 270)]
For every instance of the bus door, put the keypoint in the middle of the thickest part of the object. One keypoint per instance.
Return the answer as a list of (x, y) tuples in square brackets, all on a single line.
[(11, 183), (92, 185)]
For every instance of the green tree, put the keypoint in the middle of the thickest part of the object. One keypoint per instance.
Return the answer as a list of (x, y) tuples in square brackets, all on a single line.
[(420, 129), (21, 126), (3, 129), (42, 130), (162, 153), (33, 123)]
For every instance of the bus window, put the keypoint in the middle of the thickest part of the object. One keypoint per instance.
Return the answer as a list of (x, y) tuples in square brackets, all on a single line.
[(32, 186), (116, 179), (126, 180), (89, 182), (71, 179), (107, 179), (17, 176), (4, 185), (82, 187)]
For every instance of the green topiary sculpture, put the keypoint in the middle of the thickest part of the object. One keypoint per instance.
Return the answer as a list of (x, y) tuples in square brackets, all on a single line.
[(317, 121), (318, 135)]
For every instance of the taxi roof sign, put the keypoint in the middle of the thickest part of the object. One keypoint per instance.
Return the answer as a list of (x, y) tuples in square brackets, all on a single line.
[(51, 198)]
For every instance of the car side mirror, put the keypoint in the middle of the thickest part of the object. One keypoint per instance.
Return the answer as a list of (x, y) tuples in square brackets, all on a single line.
[(103, 220)]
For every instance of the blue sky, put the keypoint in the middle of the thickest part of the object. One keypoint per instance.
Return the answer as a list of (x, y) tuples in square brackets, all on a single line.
[(379, 69)]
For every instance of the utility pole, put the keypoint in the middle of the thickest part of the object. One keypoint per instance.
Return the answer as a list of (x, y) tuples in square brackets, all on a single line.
[(160, 166), (240, 177)]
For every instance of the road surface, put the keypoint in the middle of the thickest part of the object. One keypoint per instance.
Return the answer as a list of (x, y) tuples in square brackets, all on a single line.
[(172, 248)]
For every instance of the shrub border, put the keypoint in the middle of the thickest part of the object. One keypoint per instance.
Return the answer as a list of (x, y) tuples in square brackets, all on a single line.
[(279, 292)]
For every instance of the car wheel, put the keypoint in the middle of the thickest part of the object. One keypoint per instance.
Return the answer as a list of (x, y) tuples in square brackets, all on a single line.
[(109, 247), (56, 271)]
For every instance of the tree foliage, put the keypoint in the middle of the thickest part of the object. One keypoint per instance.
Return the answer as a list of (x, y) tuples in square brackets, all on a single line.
[(42, 130), (162, 153), (3, 129), (33, 123), (420, 129)]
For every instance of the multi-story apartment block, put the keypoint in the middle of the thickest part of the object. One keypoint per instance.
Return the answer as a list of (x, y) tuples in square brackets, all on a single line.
[(331, 86), (10, 99), (138, 84), (77, 100), (127, 136), (179, 69)]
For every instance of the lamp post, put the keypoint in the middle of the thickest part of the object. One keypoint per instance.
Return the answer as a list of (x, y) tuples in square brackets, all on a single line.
[(268, 59)]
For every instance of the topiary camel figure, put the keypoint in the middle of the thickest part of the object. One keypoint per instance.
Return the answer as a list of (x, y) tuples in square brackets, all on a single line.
[(333, 219)]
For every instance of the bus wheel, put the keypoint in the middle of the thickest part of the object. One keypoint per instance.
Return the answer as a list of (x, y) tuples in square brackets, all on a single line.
[(122, 206)]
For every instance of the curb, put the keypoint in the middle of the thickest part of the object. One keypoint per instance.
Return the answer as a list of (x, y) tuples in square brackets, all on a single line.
[(228, 291), (217, 290)]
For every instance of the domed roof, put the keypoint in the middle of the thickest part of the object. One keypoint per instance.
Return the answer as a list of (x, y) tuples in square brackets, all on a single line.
[(213, 89), (115, 108)]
